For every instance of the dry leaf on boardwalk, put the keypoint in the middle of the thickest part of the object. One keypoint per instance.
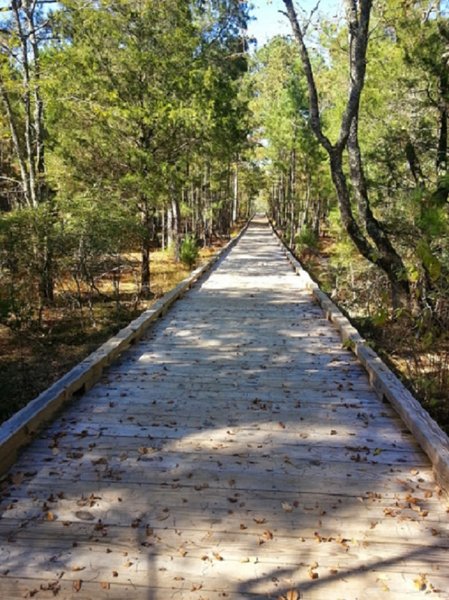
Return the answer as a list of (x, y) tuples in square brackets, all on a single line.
[(290, 595)]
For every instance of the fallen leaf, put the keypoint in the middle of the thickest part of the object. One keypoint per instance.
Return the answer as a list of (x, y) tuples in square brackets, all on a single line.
[(105, 585), (201, 486), (420, 582), (290, 595), (267, 535), (196, 586), (76, 585)]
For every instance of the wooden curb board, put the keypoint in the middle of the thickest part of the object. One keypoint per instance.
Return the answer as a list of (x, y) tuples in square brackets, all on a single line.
[(426, 431)]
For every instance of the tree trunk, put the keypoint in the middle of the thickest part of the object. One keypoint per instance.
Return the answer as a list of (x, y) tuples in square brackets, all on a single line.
[(47, 284), (235, 200), (145, 270), (389, 259), (358, 16), (175, 223)]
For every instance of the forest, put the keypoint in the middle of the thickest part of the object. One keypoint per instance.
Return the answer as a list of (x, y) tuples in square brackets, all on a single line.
[(136, 136)]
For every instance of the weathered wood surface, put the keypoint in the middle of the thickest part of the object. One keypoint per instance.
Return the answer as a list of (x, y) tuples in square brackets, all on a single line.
[(236, 452)]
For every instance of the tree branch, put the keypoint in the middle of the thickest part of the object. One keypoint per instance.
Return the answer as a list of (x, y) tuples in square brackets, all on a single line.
[(315, 120)]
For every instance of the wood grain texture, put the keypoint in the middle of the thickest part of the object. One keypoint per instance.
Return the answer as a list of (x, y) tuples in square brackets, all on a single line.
[(238, 451)]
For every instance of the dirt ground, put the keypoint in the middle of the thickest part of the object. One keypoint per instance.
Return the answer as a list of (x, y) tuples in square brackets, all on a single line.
[(33, 358)]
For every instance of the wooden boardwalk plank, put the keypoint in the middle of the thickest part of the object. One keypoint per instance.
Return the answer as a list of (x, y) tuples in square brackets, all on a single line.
[(237, 452)]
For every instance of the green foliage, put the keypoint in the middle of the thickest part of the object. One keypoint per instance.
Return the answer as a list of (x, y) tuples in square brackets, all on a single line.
[(294, 165), (189, 252), (24, 238), (429, 260), (307, 238)]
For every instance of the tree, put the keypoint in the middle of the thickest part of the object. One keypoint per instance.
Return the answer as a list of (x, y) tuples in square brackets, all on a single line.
[(124, 71), (371, 240), (23, 28), (20, 91), (291, 153)]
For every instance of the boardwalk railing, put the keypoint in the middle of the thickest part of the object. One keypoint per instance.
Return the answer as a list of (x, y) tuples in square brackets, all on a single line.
[(425, 430)]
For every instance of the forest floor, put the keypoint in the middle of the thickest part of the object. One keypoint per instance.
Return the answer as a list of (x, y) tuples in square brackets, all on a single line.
[(33, 358), (420, 360)]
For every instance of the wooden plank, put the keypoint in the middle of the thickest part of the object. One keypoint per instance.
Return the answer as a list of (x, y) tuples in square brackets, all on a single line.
[(216, 570), (410, 503), (297, 450), (374, 586)]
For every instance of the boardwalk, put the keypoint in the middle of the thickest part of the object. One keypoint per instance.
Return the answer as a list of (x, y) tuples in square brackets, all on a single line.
[(236, 452)]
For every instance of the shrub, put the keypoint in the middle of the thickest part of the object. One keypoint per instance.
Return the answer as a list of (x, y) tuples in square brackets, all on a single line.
[(306, 239), (188, 252)]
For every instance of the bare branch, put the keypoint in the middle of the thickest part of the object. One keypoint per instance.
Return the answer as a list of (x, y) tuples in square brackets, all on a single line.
[(309, 20), (315, 120)]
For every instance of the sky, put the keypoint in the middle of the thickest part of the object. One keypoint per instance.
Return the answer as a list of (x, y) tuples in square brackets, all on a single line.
[(270, 22)]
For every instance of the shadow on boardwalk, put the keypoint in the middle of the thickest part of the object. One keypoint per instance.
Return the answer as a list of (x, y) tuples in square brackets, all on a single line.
[(236, 452)]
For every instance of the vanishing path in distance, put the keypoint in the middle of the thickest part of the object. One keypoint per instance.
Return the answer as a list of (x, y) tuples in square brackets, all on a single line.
[(237, 451)]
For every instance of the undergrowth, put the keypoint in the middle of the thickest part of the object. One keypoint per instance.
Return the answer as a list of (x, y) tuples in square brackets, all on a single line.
[(36, 352), (414, 345)]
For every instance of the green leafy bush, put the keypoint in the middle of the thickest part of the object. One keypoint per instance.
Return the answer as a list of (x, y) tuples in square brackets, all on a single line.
[(306, 239), (188, 252)]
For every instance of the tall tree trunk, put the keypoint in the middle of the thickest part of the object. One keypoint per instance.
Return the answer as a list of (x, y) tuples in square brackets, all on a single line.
[(175, 222), (358, 16), (145, 270), (17, 145), (442, 192), (389, 259), (235, 199)]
